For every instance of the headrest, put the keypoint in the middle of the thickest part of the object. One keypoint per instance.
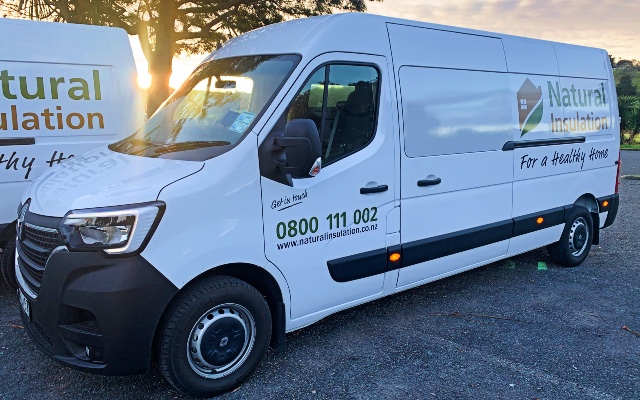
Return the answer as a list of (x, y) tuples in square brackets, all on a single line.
[(360, 101)]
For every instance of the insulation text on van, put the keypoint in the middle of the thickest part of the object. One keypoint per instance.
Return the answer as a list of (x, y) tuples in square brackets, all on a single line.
[(53, 88), (578, 98)]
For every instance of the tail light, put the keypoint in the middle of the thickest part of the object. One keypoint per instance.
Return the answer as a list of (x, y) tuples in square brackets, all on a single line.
[(618, 173)]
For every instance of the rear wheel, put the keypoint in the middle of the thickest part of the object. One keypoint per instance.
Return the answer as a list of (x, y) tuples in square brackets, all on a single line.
[(8, 263), (574, 244), (214, 336)]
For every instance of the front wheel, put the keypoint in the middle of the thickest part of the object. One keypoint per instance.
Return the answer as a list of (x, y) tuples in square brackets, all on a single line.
[(574, 244), (214, 336), (8, 264)]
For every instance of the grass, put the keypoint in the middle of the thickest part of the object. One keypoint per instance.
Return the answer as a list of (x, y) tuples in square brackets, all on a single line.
[(633, 146)]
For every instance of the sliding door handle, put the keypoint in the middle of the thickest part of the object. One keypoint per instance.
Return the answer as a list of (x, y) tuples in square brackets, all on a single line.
[(429, 182), (375, 189)]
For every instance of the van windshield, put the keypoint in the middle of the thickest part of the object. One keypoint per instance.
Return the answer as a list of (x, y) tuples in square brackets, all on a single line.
[(213, 110)]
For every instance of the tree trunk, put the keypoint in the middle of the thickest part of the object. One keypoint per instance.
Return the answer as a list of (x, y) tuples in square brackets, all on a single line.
[(161, 61)]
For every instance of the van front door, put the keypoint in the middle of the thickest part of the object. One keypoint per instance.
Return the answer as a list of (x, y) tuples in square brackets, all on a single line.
[(327, 233)]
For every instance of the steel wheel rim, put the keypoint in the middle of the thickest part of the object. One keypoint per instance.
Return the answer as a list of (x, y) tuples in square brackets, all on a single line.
[(578, 237), (207, 329)]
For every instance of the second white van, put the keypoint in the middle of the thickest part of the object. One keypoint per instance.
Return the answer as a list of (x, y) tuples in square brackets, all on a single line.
[(305, 168), (64, 89)]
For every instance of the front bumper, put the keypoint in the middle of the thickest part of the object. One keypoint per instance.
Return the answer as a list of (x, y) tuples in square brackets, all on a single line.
[(112, 305)]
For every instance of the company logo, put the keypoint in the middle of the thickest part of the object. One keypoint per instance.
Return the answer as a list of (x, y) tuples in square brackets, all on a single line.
[(530, 108), (21, 97)]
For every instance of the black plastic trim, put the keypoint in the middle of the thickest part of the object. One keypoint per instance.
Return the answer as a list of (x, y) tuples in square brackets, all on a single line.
[(614, 203), (528, 223), (511, 145), (443, 245), (370, 263), (358, 266), (125, 296), (18, 141)]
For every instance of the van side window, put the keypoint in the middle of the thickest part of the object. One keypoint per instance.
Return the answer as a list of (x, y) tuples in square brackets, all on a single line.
[(343, 101)]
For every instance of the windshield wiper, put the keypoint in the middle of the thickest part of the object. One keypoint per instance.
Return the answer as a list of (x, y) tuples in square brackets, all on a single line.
[(192, 145)]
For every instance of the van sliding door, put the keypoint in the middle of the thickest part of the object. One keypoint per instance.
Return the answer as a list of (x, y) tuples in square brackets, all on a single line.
[(456, 182)]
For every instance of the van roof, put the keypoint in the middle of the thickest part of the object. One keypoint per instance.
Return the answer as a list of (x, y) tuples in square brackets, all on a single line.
[(346, 32), (55, 42)]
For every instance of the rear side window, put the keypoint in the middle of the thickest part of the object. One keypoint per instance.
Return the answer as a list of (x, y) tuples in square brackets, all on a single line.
[(452, 112), (342, 100)]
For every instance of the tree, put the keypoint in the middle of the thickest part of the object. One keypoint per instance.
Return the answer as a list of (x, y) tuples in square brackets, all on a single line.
[(169, 27), (626, 86), (629, 108), (624, 64)]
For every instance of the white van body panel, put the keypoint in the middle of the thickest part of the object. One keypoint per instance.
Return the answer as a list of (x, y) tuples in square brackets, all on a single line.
[(108, 108), (103, 177), (530, 56), (445, 49), (226, 226)]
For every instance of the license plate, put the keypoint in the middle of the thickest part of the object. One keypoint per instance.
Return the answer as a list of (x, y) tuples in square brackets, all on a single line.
[(26, 307)]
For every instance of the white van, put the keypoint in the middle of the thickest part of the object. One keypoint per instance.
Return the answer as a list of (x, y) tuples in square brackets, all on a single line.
[(308, 167), (64, 89)]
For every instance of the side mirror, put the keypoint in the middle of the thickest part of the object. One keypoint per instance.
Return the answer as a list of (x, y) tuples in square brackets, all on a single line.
[(302, 149)]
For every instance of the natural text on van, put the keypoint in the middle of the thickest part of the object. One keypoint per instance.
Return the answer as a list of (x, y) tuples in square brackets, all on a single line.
[(50, 88)]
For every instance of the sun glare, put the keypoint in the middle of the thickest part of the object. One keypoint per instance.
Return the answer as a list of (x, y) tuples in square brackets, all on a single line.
[(144, 80)]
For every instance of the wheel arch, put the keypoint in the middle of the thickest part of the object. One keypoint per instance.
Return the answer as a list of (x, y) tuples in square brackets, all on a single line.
[(257, 277), (590, 202)]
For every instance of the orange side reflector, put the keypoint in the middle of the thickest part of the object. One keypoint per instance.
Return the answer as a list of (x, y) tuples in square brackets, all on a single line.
[(540, 220), (605, 203), (394, 257)]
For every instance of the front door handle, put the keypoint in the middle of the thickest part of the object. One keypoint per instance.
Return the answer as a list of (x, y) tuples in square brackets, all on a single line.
[(375, 189), (429, 182)]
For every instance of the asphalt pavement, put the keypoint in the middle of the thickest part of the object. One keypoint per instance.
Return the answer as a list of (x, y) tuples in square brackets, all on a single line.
[(522, 328)]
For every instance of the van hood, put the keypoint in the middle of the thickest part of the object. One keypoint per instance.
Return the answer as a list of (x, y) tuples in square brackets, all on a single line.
[(103, 178)]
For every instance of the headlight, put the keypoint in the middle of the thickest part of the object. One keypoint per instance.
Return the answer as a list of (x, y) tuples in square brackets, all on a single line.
[(115, 230)]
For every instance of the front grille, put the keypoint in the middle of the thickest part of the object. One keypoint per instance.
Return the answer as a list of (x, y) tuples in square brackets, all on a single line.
[(45, 238), (34, 250)]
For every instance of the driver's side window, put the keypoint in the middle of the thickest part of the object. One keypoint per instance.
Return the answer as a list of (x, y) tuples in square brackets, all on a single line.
[(342, 100)]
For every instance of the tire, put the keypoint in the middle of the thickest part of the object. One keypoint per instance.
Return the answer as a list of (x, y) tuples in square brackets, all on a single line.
[(213, 336), (574, 244), (8, 263)]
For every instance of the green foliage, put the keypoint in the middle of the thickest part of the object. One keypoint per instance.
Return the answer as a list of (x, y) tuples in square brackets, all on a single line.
[(626, 86), (629, 107)]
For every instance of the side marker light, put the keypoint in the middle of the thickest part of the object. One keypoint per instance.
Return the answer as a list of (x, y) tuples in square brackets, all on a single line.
[(394, 257), (540, 220)]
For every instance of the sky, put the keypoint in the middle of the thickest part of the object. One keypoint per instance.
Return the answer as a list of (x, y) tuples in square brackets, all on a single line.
[(610, 24)]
